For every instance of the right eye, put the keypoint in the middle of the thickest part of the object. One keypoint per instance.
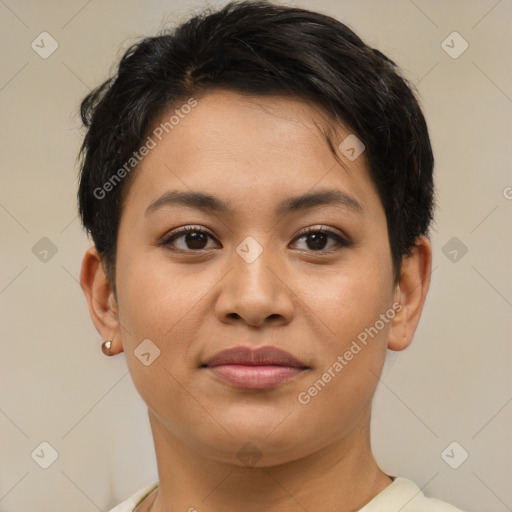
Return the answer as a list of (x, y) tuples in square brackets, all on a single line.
[(194, 239)]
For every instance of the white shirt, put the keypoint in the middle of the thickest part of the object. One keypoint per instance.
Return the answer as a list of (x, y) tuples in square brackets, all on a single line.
[(402, 495)]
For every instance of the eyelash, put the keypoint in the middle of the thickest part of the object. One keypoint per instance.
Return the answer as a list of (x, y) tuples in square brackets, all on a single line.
[(166, 242)]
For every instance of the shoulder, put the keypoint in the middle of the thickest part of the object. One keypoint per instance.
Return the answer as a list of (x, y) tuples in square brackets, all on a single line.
[(406, 496), (129, 504)]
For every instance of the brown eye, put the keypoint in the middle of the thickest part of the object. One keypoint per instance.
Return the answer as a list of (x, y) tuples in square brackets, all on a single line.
[(317, 239), (193, 239)]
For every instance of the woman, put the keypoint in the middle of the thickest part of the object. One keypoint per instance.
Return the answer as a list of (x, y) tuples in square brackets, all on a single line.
[(258, 186)]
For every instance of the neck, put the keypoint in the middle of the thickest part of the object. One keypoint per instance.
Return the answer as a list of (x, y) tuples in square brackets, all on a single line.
[(341, 476)]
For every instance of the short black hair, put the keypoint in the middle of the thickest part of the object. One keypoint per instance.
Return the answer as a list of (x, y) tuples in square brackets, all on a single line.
[(259, 48)]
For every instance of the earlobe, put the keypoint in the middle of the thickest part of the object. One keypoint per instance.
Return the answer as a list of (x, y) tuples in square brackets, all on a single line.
[(100, 299), (411, 292)]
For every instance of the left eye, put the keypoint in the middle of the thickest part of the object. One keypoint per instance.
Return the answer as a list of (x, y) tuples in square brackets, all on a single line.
[(318, 238), (195, 239)]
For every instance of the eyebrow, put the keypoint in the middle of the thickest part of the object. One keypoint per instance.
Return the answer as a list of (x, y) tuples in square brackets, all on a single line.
[(207, 202)]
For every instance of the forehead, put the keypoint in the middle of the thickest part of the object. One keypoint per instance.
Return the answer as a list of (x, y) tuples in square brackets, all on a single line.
[(247, 148)]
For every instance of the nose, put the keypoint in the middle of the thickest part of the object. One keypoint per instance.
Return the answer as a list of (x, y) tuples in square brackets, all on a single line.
[(255, 293)]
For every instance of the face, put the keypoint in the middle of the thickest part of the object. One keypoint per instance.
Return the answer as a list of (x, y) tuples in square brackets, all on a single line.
[(309, 277)]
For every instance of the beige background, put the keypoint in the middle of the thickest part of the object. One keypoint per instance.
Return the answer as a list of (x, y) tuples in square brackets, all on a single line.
[(452, 384)]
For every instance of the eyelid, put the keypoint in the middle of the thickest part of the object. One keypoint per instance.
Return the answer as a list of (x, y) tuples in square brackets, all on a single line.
[(190, 227), (322, 228)]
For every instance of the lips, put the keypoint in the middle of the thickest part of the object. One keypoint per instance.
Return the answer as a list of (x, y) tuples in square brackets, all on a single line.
[(263, 356), (255, 369)]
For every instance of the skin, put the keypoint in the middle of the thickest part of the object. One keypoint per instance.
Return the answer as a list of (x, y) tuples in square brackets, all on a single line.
[(254, 152)]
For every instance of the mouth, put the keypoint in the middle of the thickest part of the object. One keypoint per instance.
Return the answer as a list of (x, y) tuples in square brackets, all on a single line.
[(246, 368)]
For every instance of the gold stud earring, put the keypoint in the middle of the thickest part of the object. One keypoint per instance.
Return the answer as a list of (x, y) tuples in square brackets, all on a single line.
[(105, 347)]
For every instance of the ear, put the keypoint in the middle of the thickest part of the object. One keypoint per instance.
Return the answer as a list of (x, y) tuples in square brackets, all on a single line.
[(411, 292), (100, 299)]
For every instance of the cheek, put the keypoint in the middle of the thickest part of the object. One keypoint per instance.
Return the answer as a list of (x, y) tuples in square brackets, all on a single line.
[(352, 343), (354, 298), (351, 335), (151, 294), (164, 303), (158, 304)]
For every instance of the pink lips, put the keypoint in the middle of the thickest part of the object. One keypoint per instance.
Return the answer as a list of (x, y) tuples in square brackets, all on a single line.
[(261, 368)]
